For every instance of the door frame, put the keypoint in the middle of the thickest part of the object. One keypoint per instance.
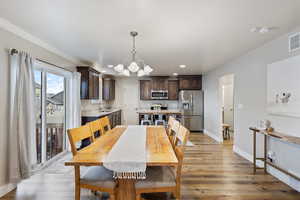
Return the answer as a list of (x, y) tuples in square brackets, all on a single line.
[(220, 104), (47, 68)]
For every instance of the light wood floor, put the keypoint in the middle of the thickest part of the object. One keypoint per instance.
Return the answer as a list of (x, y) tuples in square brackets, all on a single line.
[(211, 172)]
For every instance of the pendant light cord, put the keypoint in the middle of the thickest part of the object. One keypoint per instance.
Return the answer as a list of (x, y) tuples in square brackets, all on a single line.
[(133, 49)]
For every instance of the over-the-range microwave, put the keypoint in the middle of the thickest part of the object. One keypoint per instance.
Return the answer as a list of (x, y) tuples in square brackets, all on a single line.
[(159, 94)]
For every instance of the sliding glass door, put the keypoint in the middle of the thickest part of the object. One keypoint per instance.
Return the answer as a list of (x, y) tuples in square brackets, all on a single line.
[(55, 115), (51, 91)]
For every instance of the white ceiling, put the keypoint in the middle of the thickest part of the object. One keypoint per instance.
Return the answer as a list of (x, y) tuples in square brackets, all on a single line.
[(202, 34)]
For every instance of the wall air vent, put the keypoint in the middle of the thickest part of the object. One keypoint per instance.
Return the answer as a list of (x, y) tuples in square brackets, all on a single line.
[(294, 42)]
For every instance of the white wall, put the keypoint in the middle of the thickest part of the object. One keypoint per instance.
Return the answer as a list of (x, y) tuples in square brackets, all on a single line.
[(9, 40), (250, 103)]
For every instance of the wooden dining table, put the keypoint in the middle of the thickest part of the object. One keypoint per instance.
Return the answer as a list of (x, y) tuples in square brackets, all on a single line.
[(158, 147)]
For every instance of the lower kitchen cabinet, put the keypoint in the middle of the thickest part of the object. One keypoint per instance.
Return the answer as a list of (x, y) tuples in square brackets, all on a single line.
[(114, 117)]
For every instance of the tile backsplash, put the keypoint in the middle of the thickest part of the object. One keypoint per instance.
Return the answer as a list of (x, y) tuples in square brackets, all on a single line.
[(169, 104), (87, 105)]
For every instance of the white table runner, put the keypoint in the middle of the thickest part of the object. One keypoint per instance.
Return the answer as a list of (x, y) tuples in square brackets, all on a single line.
[(127, 158)]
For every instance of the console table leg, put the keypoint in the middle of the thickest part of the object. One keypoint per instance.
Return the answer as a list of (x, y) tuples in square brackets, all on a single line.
[(254, 152), (265, 153)]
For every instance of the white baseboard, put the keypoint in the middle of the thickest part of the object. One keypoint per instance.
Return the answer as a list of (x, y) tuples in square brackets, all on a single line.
[(4, 189), (290, 181), (213, 136)]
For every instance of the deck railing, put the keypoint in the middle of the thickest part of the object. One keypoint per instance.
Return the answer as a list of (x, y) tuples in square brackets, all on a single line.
[(54, 144)]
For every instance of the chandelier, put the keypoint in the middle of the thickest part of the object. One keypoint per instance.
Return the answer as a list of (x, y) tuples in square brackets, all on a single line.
[(134, 67)]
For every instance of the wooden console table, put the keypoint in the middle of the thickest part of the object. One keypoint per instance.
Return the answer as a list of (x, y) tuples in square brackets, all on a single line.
[(280, 136)]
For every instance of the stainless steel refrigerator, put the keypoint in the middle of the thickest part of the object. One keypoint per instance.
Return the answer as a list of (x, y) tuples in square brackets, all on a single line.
[(191, 105)]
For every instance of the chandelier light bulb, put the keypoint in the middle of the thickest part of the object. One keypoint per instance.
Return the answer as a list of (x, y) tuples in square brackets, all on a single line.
[(126, 72), (140, 73), (148, 69), (119, 68), (133, 67)]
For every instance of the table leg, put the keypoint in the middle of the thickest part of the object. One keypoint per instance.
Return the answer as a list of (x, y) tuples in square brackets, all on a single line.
[(126, 189), (254, 152), (265, 153), (77, 182)]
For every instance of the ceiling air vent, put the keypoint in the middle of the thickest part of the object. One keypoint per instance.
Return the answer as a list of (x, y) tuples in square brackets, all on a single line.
[(294, 42)]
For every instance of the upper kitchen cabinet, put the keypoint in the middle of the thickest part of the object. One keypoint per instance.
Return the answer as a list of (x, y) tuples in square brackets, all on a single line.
[(108, 88), (159, 83), (173, 89), (193, 82), (145, 89), (89, 87)]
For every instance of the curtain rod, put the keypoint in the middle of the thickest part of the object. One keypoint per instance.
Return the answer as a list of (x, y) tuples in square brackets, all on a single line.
[(15, 51)]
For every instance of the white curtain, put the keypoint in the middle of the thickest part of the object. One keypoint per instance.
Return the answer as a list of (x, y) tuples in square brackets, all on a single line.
[(22, 139), (76, 101)]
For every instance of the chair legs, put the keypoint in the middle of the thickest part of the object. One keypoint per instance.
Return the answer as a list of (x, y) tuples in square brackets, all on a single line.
[(77, 193), (112, 196), (177, 194), (77, 183), (138, 197)]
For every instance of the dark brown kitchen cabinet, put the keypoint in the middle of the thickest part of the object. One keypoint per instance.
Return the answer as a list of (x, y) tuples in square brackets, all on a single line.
[(115, 118), (89, 87), (145, 89), (108, 88), (159, 83), (173, 89), (190, 82)]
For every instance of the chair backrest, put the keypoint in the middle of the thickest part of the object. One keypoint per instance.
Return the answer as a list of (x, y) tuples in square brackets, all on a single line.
[(170, 120), (105, 124), (182, 136), (173, 128), (78, 134), (96, 128)]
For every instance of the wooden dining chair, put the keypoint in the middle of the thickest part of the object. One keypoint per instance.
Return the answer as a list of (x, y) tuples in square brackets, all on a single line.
[(182, 136), (165, 179), (96, 128), (76, 135), (105, 123), (96, 178), (173, 128)]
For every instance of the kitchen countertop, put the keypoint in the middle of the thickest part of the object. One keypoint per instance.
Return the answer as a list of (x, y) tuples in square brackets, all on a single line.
[(159, 111), (98, 113)]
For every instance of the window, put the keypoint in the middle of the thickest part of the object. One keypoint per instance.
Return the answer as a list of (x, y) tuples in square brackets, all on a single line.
[(51, 90)]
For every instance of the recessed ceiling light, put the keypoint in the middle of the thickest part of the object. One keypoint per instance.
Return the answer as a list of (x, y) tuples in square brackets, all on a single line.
[(110, 66), (182, 66), (103, 71), (175, 74)]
